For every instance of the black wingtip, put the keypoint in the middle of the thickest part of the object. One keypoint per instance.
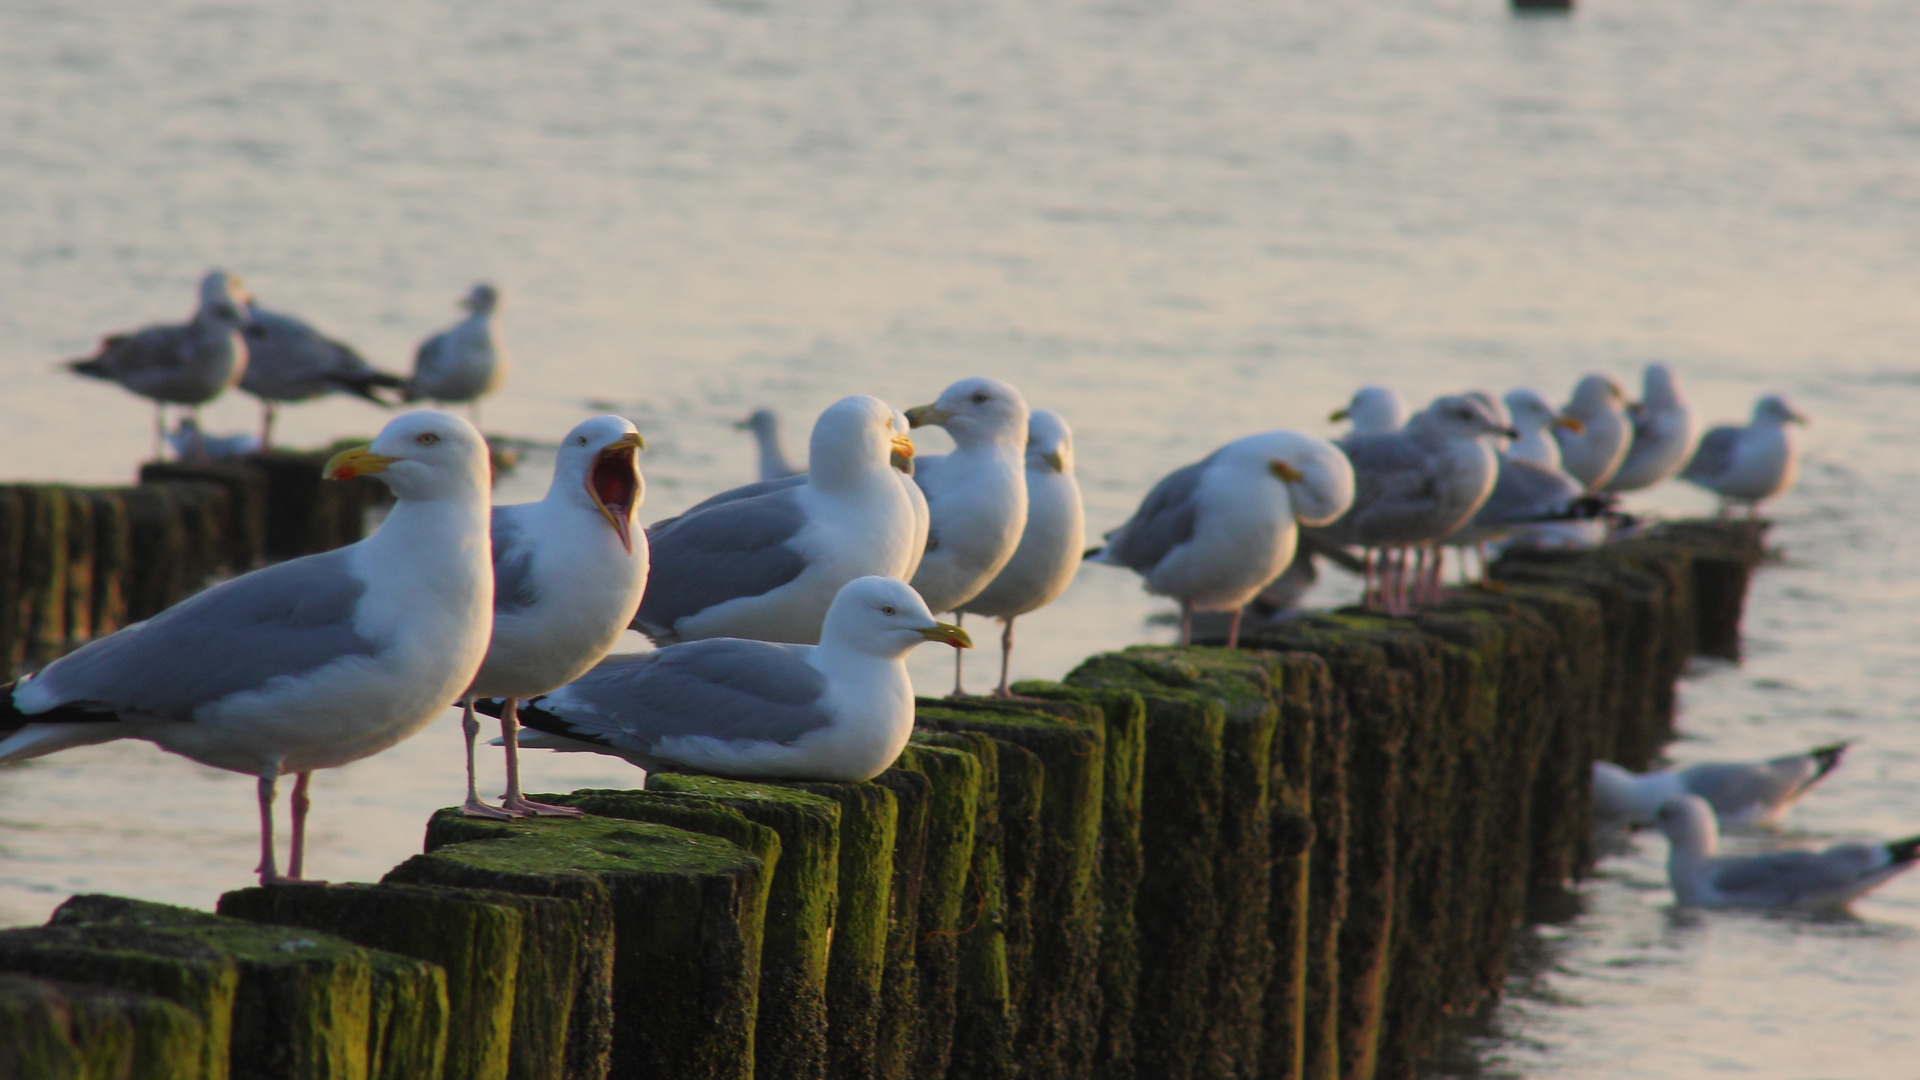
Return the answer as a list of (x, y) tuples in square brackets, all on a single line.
[(490, 706), (1828, 758), (1905, 851), (1092, 552)]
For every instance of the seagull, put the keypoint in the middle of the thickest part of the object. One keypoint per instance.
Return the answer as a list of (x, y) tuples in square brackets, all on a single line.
[(976, 495), (1663, 433), (1211, 534), (568, 576), (767, 565), (1537, 421), (1742, 794), (1374, 410), (1592, 453), (1050, 547), (1752, 463), (307, 664), (1418, 484), (1787, 879), (288, 360), (467, 360), (188, 441), (766, 435), (188, 364), (840, 710)]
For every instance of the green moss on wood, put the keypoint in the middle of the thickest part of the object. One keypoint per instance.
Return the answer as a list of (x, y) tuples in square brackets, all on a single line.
[(245, 494), (12, 534), (158, 573), (1303, 965), (897, 1037), (953, 804), (112, 561), (78, 602), (36, 1033), (41, 598)]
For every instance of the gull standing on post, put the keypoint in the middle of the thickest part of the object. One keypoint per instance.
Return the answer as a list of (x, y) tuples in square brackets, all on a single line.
[(1211, 534), (307, 664), (1663, 433), (568, 574), (1741, 793), (1374, 410), (1050, 547), (1593, 453), (1536, 421), (840, 710), (1748, 464), (767, 565), (186, 364), (288, 360), (1701, 877), (766, 437), (467, 360)]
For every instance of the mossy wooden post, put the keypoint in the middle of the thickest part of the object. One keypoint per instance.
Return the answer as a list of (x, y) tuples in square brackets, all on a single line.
[(1177, 906), (52, 1031), (985, 1022), (1059, 1006), (856, 961), (157, 539), (1298, 965), (687, 912), (78, 602), (112, 562), (206, 514), (1724, 556), (791, 1034), (897, 1038), (306, 513), (13, 647), (246, 486), (953, 803), (42, 610)]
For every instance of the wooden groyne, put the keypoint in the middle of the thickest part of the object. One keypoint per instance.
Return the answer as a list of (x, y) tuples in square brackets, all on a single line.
[(1291, 860)]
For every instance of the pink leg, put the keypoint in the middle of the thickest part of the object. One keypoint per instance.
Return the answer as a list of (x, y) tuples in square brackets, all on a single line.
[(1233, 629), (514, 801), (959, 690), (269, 787), (1186, 623), (475, 806), (300, 803), (1367, 596), (1006, 659)]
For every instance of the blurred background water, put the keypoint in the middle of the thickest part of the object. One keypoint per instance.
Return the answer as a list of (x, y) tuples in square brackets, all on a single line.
[(1174, 223)]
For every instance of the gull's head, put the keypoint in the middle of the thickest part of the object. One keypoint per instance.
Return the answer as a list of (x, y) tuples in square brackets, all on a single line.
[(422, 456), (1049, 443), (482, 299), (902, 455), (1776, 409), (1315, 475), (1597, 394), (762, 423), (975, 411), (1659, 385), (599, 463), (1532, 412), (1496, 409), (1374, 410), (1688, 822), (854, 436), (1460, 416), (885, 617), (222, 296)]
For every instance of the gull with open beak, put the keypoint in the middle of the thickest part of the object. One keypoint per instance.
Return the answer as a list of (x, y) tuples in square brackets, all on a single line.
[(569, 571), (307, 664), (840, 710)]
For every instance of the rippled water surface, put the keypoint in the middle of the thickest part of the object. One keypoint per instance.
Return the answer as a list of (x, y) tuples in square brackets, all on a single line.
[(1173, 223)]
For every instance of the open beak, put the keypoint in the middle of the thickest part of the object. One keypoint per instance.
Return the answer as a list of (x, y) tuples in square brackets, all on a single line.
[(1337, 415), (614, 485), (1053, 459), (1569, 423), (946, 632), (359, 461), (922, 415), (1287, 473)]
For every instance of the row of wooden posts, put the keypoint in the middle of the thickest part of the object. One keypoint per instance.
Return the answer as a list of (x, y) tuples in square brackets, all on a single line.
[(1299, 859)]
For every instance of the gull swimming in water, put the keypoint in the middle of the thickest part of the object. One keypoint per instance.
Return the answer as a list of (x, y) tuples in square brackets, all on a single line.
[(467, 360), (1742, 793), (1592, 453), (766, 436), (1663, 433), (307, 664), (976, 495), (288, 360), (569, 571), (187, 364), (768, 563), (840, 710), (1752, 463), (1789, 879), (1051, 545), (1211, 534)]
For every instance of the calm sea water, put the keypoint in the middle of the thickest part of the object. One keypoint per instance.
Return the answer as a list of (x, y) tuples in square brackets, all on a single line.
[(1175, 224)]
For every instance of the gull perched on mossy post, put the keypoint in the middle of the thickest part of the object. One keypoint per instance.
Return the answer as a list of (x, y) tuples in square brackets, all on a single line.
[(1753, 463), (307, 664)]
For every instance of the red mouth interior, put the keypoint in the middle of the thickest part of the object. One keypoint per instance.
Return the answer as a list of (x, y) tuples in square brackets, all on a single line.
[(614, 480)]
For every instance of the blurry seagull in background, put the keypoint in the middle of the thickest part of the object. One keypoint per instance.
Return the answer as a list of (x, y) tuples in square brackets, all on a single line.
[(1752, 463), (1701, 877), (1742, 794), (288, 360), (1374, 410), (766, 436), (1592, 452), (466, 361), (1663, 433)]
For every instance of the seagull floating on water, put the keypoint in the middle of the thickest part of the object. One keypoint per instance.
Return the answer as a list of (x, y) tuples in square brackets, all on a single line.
[(1789, 879), (1752, 463), (840, 710), (1592, 452), (466, 361), (288, 360), (307, 664), (1742, 794), (976, 495), (1663, 433), (569, 571), (766, 436)]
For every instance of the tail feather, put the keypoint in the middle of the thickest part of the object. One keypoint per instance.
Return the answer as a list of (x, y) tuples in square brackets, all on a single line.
[(1902, 852), (539, 719), (1827, 758)]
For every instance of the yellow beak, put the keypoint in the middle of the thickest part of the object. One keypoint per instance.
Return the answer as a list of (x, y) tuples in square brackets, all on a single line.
[(922, 415), (359, 461), (1054, 459), (948, 633), (902, 449), (1287, 473), (1569, 423), (1336, 416), (625, 447)]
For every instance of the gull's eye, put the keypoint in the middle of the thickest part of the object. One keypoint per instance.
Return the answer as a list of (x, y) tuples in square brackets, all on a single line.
[(981, 397), (583, 440), (426, 438), (887, 609)]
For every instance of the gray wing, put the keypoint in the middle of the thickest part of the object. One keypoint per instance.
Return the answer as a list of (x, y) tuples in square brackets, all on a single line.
[(735, 549), (744, 491), (285, 620), (512, 565), (1166, 519), (1396, 489), (289, 360), (1791, 877), (1525, 491), (1714, 455), (726, 688), (145, 358)]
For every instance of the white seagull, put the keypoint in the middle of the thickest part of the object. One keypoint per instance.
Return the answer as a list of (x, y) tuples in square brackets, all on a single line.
[(767, 563), (288, 360), (905, 468), (306, 664), (467, 360), (1787, 879), (1593, 452), (840, 710), (1211, 534), (1663, 433), (568, 574), (1051, 546), (1742, 794), (1752, 463), (188, 364), (976, 495), (1374, 410), (766, 437)]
